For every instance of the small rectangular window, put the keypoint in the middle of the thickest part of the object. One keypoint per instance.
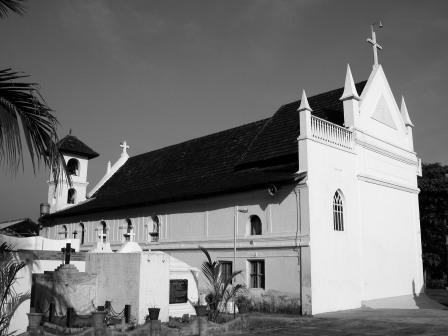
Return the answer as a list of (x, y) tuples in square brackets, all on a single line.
[(178, 291), (226, 269), (257, 274)]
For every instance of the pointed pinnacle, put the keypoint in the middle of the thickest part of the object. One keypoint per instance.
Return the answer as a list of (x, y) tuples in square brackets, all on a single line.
[(304, 106), (405, 114), (349, 87)]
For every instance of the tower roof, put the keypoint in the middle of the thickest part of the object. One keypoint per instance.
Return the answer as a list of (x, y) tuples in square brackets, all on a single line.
[(72, 145)]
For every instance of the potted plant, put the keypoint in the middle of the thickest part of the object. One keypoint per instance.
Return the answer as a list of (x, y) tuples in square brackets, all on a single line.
[(34, 319), (153, 313)]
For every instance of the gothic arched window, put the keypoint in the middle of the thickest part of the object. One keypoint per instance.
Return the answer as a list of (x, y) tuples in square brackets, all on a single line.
[(255, 225), (73, 167), (338, 211), (71, 196)]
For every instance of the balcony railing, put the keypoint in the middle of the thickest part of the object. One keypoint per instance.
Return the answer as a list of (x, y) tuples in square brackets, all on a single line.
[(330, 133)]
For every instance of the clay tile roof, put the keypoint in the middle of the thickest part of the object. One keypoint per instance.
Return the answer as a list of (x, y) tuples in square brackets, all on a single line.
[(240, 158), (72, 145)]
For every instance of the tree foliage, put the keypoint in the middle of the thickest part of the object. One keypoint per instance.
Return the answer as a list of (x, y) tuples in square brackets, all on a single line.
[(433, 200), (26, 117), (10, 300), (15, 6), (221, 289)]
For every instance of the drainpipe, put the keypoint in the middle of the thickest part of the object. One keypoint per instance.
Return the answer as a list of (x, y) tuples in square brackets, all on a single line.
[(235, 231), (299, 250)]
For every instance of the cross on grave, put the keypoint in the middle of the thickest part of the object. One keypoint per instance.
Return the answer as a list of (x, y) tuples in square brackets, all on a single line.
[(125, 146), (102, 237), (375, 45), (129, 235), (67, 250)]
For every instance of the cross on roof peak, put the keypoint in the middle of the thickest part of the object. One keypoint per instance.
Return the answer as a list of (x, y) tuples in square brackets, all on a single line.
[(125, 146), (374, 43)]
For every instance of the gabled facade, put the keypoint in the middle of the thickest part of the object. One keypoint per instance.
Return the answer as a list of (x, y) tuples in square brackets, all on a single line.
[(320, 201)]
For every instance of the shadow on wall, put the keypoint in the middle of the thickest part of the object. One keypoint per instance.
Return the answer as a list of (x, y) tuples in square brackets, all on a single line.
[(422, 301)]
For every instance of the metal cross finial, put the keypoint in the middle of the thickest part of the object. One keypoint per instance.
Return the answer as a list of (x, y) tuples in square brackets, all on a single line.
[(375, 45), (125, 146)]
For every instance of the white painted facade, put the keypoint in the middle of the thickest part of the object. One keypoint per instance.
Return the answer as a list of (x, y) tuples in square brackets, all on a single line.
[(370, 162)]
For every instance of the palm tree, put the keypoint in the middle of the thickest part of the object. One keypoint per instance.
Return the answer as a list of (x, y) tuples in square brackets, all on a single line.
[(16, 6), (220, 288), (10, 300), (25, 117)]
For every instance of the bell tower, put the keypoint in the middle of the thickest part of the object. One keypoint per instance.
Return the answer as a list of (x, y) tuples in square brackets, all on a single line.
[(76, 155)]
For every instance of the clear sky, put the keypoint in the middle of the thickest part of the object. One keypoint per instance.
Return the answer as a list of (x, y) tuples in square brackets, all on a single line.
[(159, 72)]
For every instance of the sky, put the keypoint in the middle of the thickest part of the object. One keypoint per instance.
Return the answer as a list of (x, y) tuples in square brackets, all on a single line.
[(155, 73)]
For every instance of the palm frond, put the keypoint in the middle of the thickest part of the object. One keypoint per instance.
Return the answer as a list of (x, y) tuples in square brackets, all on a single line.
[(15, 6), (24, 114)]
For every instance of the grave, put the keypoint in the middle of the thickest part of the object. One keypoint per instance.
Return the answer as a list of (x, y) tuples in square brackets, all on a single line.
[(54, 292)]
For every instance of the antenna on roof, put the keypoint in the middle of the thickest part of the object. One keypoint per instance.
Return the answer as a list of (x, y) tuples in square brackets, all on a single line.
[(70, 132)]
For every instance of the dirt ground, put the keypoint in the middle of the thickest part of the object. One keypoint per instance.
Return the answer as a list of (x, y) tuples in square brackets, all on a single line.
[(364, 321)]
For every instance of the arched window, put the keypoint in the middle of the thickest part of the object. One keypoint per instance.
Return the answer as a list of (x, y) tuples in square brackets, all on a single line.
[(129, 230), (73, 167), (71, 196), (64, 232), (103, 233), (255, 225), (82, 232), (155, 229), (338, 211)]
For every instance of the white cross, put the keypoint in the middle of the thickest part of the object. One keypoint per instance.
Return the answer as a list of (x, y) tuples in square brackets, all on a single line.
[(125, 146), (129, 236), (102, 237), (375, 46)]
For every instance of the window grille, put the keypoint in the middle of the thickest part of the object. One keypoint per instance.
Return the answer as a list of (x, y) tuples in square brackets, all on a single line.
[(257, 274), (338, 212), (226, 269), (178, 291)]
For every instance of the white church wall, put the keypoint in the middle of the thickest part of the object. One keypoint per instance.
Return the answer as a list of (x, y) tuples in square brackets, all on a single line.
[(335, 262), (195, 221), (391, 244), (58, 199), (391, 248), (211, 223), (282, 261)]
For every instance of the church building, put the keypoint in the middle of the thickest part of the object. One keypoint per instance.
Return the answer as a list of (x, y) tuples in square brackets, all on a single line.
[(320, 200)]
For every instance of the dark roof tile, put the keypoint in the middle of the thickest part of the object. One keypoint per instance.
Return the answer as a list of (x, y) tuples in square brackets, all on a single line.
[(243, 157), (72, 145)]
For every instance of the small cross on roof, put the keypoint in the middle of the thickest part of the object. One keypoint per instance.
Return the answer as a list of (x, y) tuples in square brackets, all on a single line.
[(125, 146)]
